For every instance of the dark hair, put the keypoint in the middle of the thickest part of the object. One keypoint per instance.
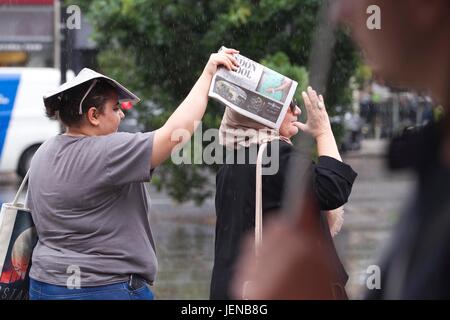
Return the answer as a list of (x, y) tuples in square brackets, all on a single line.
[(66, 105), (293, 105)]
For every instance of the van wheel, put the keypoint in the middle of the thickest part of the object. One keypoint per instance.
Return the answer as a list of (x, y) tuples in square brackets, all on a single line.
[(25, 160)]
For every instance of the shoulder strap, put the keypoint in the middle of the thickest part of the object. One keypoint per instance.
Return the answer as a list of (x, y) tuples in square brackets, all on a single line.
[(258, 200), (22, 185)]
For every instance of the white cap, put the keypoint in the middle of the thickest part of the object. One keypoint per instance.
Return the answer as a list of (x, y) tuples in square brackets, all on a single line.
[(86, 75)]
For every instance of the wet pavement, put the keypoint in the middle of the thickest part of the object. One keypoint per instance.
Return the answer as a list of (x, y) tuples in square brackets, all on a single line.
[(185, 233), (377, 199)]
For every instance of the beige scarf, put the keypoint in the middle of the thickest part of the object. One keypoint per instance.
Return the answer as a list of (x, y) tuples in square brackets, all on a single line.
[(238, 131)]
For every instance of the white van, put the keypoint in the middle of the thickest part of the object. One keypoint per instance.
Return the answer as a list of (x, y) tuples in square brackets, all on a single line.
[(23, 123)]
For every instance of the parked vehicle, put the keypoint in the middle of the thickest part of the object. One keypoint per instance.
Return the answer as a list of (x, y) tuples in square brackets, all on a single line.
[(23, 124), (131, 122)]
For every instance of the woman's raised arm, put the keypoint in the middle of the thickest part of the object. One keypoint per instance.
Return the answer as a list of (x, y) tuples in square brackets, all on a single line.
[(318, 125), (182, 123)]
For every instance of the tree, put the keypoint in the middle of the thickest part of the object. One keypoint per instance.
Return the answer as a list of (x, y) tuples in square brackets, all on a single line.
[(159, 47)]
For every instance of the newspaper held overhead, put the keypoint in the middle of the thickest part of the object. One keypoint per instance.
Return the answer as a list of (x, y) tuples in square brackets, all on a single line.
[(254, 91)]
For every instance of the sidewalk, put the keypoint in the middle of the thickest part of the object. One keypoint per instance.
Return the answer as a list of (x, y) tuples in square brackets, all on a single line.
[(370, 148), (377, 199)]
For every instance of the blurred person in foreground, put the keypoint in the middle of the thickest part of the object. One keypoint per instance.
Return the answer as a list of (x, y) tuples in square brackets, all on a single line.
[(411, 50)]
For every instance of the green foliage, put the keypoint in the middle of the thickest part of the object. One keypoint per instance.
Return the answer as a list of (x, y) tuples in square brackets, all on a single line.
[(363, 74), (159, 47)]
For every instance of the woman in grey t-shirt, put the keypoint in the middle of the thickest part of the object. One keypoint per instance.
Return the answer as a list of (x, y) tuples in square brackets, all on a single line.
[(86, 189)]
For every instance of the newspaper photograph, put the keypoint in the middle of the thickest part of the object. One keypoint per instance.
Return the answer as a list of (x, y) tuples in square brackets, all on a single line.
[(255, 91)]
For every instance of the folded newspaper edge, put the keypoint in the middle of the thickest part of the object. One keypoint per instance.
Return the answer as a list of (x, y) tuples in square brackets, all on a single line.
[(254, 91)]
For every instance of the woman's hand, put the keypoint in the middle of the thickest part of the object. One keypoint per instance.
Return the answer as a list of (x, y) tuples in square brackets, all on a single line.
[(225, 58), (318, 125), (318, 122)]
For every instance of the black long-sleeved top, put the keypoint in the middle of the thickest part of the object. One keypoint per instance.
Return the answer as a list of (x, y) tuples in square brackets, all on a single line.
[(332, 181)]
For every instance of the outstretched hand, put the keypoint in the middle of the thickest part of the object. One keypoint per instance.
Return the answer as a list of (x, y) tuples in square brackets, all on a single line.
[(223, 58), (317, 122)]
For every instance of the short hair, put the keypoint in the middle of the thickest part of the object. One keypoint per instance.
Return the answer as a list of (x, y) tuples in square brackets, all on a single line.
[(66, 105)]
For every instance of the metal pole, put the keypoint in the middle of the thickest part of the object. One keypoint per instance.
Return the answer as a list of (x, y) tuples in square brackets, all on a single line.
[(64, 45), (395, 112), (56, 34)]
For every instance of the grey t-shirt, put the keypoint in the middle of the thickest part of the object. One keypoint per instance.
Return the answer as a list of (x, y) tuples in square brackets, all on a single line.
[(90, 207)]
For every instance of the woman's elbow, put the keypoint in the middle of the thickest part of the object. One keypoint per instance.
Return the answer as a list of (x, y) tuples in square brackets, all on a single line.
[(332, 196)]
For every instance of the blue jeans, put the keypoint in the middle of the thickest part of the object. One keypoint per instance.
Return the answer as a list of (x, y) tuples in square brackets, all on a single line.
[(118, 291)]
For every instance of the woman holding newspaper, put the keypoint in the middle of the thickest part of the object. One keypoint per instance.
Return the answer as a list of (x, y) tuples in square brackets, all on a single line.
[(235, 183), (86, 190)]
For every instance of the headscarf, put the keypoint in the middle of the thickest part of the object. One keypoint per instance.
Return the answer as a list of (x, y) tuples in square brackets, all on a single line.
[(238, 131)]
